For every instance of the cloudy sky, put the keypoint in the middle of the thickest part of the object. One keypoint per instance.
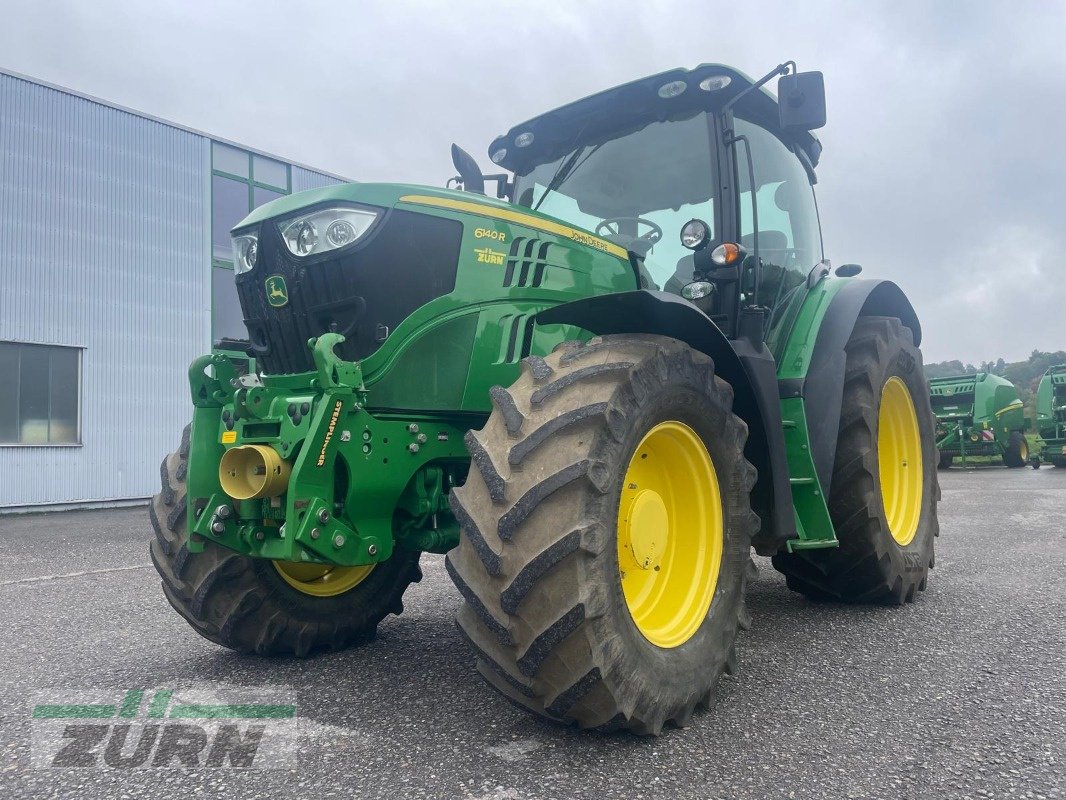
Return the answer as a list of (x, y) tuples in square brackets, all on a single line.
[(944, 161)]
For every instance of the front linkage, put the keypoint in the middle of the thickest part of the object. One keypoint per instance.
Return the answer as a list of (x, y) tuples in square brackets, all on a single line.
[(294, 468)]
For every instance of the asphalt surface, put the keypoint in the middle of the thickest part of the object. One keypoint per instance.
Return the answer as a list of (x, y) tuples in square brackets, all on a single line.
[(961, 694)]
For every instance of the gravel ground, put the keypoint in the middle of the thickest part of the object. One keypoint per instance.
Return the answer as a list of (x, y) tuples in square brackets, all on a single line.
[(962, 694)]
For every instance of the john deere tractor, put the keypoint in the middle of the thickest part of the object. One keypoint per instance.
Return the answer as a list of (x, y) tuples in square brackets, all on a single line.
[(978, 415), (596, 392), (1051, 415)]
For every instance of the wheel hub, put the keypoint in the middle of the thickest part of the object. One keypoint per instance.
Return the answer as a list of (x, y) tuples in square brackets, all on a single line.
[(321, 580), (670, 534), (646, 529)]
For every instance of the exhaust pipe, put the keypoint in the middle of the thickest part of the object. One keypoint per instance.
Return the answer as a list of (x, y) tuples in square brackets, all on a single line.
[(253, 471)]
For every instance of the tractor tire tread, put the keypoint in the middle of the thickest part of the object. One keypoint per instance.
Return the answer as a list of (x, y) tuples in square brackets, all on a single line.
[(868, 566), (533, 621)]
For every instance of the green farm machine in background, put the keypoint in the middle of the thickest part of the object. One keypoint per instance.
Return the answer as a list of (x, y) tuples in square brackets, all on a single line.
[(978, 415), (595, 392), (1051, 415)]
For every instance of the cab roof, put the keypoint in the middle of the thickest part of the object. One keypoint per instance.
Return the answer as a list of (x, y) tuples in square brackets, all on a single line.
[(634, 105)]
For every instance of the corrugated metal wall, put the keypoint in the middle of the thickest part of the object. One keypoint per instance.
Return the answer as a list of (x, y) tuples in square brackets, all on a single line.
[(303, 179), (104, 244), (103, 231)]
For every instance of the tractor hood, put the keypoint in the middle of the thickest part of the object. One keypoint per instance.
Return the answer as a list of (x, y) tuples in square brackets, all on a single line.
[(399, 261), (404, 247), (383, 195)]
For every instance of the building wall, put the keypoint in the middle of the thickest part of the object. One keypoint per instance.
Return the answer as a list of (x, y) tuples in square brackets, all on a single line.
[(304, 179), (104, 245)]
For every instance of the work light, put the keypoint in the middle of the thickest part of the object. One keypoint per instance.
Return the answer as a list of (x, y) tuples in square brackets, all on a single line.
[(715, 83), (326, 229), (672, 89)]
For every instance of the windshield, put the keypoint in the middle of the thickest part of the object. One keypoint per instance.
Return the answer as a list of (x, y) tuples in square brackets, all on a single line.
[(661, 173)]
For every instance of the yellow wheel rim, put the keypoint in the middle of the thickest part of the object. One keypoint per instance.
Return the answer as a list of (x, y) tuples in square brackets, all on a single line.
[(321, 580), (670, 534), (899, 459), (1023, 451)]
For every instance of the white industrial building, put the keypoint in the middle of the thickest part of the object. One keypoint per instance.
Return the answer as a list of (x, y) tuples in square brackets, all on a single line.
[(115, 272)]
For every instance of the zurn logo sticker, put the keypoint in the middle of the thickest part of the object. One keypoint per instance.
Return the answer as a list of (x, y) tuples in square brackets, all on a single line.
[(227, 728)]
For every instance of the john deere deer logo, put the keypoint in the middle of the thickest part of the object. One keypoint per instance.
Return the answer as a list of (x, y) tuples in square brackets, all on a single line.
[(276, 290)]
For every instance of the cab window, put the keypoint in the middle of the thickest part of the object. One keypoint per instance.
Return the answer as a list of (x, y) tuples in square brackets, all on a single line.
[(790, 242), (661, 174)]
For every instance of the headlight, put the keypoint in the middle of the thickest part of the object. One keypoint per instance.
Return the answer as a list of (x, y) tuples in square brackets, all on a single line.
[(245, 251), (695, 234), (325, 230)]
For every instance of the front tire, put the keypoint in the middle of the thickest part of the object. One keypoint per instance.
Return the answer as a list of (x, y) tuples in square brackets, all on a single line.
[(254, 605), (606, 527), (884, 488)]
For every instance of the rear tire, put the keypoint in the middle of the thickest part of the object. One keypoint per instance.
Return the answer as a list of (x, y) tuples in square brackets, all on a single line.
[(1016, 453), (244, 603), (871, 565), (538, 559)]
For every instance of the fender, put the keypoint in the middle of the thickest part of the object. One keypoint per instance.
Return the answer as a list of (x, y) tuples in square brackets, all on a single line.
[(751, 372), (823, 385)]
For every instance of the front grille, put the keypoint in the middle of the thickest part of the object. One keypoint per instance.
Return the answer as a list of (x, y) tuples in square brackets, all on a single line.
[(363, 293)]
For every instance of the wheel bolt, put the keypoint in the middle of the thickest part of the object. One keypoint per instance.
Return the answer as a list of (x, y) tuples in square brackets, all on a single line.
[(412, 428), (218, 527), (338, 541), (223, 512), (323, 516), (315, 533), (413, 447), (372, 549), (260, 536)]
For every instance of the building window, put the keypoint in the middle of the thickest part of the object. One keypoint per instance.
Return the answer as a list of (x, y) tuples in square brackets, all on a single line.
[(39, 394), (240, 182)]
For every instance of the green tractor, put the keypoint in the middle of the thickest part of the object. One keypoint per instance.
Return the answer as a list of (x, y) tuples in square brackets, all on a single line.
[(978, 415), (1051, 415), (595, 392)]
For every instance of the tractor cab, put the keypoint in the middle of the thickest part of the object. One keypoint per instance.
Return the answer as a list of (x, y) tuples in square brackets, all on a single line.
[(698, 174)]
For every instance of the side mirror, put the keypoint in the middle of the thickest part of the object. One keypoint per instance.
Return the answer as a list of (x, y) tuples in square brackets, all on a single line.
[(469, 172), (801, 101)]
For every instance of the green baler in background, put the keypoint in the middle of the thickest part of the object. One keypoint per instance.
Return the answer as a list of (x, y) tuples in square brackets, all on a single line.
[(1051, 415), (596, 393), (978, 415)]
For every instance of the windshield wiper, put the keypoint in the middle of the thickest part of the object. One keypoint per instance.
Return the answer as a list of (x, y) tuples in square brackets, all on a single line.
[(560, 175), (566, 169)]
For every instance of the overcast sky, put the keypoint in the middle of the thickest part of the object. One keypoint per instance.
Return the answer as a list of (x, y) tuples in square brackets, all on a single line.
[(944, 159)]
